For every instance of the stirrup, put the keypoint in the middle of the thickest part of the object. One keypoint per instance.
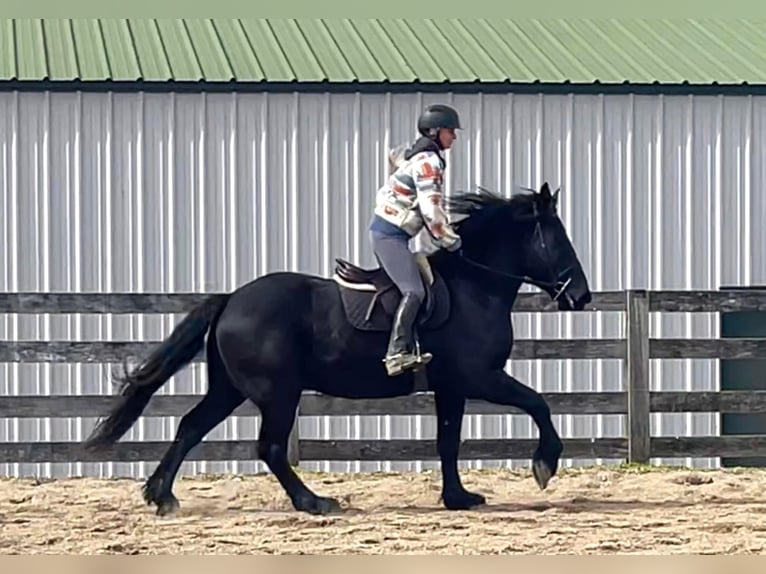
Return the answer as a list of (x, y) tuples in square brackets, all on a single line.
[(396, 364)]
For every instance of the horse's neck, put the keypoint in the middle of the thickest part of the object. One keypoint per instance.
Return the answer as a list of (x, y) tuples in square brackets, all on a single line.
[(498, 290)]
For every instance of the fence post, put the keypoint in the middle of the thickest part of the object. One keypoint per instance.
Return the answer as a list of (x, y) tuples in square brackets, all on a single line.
[(294, 441), (637, 375)]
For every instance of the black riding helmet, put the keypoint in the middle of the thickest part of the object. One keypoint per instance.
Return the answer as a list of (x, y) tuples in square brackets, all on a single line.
[(438, 116)]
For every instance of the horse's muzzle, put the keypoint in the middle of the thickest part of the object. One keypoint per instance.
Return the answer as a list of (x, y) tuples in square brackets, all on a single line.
[(571, 296), (571, 300)]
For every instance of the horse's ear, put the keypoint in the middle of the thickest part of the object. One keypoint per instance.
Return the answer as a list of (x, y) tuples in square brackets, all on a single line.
[(545, 191), (556, 195)]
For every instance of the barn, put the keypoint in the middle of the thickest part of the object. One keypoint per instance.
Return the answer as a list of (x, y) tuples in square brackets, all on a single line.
[(193, 155)]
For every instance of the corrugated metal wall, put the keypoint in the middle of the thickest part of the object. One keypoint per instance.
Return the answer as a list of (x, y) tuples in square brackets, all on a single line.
[(163, 192)]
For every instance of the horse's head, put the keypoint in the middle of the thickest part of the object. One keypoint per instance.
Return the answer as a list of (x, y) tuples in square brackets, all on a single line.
[(523, 237)]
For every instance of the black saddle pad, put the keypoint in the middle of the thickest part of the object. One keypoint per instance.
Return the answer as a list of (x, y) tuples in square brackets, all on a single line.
[(374, 310)]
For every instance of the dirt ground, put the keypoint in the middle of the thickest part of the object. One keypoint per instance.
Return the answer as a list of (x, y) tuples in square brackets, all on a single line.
[(601, 511)]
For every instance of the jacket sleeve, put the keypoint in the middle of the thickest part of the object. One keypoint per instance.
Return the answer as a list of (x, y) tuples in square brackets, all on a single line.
[(429, 176)]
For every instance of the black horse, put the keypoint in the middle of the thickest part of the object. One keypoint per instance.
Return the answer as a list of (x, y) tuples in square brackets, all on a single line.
[(284, 333)]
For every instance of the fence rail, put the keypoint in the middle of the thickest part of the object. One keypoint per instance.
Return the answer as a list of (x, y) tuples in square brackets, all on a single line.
[(636, 350)]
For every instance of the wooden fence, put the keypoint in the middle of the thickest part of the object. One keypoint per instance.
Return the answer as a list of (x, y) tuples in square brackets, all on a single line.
[(636, 350)]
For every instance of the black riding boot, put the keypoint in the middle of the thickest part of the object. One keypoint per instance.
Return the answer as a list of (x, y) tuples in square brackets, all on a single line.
[(400, 356)]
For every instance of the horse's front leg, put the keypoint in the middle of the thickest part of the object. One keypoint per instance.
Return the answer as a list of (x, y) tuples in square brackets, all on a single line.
[(501, 388), (450, 407)]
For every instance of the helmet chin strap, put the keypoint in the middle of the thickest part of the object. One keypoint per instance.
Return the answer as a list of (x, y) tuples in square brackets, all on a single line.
[(433, 135)]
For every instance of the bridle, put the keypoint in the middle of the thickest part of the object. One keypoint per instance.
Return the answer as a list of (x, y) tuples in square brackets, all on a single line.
[(557, 285)]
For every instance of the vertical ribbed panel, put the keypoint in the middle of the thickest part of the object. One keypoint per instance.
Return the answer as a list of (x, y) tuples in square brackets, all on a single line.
[(189, 192)]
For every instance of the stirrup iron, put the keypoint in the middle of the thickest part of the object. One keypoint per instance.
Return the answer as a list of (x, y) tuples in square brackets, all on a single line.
[(404, 361)]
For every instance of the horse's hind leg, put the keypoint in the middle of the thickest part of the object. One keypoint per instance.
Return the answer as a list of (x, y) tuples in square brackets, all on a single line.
[(219, 402), (277, 420), (265, 351)]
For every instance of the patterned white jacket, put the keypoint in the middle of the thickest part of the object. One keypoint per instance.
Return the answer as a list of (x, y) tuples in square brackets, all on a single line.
[(412, 196)]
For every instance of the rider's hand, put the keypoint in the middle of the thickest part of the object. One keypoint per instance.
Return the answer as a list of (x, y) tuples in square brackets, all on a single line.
[(456, 245)]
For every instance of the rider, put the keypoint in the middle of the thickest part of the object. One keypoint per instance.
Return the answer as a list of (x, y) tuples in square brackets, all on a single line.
[(410, 199)]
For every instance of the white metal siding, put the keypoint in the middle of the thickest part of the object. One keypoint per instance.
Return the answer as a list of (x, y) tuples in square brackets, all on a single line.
[(171, 192)]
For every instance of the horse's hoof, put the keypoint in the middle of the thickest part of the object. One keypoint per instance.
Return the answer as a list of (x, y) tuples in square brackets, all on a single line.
[(319, 505), (150, 490), (463, 500), (542, 473), (327, 506), (168, 506)]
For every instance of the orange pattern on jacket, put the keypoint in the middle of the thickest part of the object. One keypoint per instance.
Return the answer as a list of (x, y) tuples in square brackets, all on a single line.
[(412, 196)]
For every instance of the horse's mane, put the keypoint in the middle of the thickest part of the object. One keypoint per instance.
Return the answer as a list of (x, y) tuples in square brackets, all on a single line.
[(469, 210)]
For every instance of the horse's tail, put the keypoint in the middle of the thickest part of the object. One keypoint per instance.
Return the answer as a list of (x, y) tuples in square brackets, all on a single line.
[(138, 386)]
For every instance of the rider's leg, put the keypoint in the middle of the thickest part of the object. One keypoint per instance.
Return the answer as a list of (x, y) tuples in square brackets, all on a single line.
[(394, 255)]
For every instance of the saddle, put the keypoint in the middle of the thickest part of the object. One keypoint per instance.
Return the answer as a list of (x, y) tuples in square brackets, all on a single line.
[(370, 298)]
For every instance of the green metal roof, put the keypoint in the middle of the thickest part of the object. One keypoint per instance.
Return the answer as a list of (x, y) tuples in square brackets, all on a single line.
[(382, 51)]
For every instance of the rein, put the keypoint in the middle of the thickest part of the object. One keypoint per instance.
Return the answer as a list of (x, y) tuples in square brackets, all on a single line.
[(557, 285)]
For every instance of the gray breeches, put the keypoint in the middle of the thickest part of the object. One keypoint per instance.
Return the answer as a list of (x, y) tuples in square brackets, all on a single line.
[(399, 262)]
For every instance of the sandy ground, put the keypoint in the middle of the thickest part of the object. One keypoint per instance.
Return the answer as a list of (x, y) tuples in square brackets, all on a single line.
[(602, 511)]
